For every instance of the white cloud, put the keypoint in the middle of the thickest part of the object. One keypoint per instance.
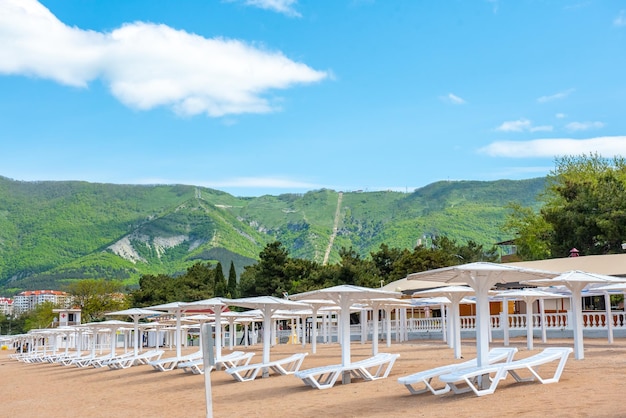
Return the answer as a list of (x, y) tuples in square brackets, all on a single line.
[(519, 125), (557, 96), (542, 128), (147, 65), (522, 125), (620, 20), (583, 126), (608, 146), (452, 98), (280, 6), (560, 116)]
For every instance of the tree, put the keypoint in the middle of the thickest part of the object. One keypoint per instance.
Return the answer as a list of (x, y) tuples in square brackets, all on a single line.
[(532, 232), (584, 207), (587, 208), (40, 317), (232, 281), (267, 277), (95, 297), (221, 286)]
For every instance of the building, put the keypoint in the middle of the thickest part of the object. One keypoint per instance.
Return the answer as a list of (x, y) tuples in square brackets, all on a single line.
[(29, 299), (6, 306)]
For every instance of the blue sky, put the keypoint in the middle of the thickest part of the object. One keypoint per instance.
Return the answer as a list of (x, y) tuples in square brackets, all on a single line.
[(260, 97)]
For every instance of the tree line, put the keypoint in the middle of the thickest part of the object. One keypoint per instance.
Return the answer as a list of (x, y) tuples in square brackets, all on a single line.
[(583, 206)]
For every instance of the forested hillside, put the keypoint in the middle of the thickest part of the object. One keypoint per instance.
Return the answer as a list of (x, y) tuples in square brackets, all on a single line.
[(52, 232)]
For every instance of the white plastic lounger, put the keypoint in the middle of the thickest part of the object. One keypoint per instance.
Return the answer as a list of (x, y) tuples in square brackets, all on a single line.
[(422, 382), (234, 359), (137, 360), (102, 361), (284, 366), (468, 378), (372, 368), (170, 363)]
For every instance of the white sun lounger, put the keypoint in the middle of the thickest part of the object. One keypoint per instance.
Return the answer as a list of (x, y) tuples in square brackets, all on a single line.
[(139, 359), (170, 363), (102, 361), (284, 366), (372, 368), (422, 382), (465, 380), (234, 359)]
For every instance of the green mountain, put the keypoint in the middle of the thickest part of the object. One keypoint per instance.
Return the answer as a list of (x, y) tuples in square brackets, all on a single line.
[(52, 232)]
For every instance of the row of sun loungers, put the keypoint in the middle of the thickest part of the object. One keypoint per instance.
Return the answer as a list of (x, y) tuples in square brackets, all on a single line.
[(457, 378)]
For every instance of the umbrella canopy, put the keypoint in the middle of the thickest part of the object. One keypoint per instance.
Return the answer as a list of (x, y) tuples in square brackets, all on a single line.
[(454, 294), (344, 296), (267, 305), (576, 281), (481, 277), (136, 314), (529, 296)]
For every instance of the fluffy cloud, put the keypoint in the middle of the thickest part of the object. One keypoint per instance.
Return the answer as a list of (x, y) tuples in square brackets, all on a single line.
[(147, 65), (557, 96), (522, 125), (280, 6), (608, 146), (583, 126)]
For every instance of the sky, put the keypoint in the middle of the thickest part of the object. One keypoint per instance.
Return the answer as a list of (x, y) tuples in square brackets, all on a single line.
[(257, 97)]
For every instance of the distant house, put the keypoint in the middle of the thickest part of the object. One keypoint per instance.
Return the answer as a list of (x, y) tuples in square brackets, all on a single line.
[(6, 306), (29, 299)]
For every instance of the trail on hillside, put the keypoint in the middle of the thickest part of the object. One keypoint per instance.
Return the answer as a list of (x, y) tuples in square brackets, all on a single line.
[(335, 226)]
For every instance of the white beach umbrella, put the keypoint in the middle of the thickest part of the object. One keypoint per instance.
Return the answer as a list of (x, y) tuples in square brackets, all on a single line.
[(267, 305), (111, 325), (136, 314), (176, 308), (529, 296), (576, 281), (386, 304), (344, 296), (481, 276), (454, 294), (217, 306), (315, 304)]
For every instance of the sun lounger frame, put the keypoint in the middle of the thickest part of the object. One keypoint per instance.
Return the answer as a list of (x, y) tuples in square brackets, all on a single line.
[(234, 359), (463, 381), (372, 368), (424, 381), (284, 366)]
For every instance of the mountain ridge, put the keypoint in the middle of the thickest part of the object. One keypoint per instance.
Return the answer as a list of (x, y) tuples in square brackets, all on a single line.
[(52, 232)]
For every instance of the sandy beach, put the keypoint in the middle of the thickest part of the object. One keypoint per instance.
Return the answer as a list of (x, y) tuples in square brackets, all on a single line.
[(591, 387)]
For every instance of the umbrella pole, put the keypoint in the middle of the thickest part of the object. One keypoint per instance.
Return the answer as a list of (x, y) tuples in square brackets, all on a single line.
[(609, 316), (267, 335), (578, 321), (345, 337)]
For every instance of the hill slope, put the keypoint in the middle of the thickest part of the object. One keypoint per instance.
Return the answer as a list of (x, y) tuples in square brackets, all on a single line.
[(56, 231)]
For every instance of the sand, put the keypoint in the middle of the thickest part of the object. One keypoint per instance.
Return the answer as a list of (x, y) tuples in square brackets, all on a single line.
[(591, 387)]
